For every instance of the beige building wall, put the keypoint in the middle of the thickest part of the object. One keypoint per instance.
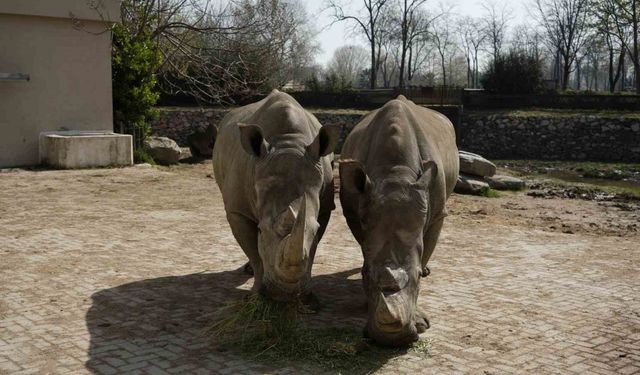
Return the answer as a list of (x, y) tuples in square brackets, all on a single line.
[(65, 48)]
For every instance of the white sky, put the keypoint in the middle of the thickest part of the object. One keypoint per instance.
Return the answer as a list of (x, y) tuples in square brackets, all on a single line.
[(332, 37)]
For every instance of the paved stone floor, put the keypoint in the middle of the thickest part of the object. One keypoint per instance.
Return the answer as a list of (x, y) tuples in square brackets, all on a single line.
[(114, 271)]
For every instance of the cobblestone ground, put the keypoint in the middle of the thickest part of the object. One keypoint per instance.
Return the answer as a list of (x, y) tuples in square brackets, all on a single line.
[(114, 271)]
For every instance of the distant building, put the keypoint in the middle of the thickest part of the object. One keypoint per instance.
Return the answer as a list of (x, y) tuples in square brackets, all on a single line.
[(55, 71)]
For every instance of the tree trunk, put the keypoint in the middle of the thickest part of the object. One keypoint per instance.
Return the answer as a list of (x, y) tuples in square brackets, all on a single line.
[(402, 64), (404, 30), (636, 58), (623, 77), (476, 77), (374, 73), (468, 71), (444, 70), (410, 65), (612, 84), (566, 72), (578, 75)]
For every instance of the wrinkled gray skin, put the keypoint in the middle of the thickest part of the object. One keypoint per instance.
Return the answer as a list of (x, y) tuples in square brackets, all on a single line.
[(398, 167), (272, 162)]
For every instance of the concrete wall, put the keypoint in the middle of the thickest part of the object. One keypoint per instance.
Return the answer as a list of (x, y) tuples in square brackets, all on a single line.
[(497, 136), (62, 45)]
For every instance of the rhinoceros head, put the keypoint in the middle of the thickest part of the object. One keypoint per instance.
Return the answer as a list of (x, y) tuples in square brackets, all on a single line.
[(393, 209), (288, 182)]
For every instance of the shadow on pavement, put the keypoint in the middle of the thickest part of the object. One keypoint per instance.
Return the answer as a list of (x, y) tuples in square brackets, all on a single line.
[(157, 325)]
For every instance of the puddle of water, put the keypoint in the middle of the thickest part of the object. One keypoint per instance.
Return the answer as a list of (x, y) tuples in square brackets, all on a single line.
[(571, 176)]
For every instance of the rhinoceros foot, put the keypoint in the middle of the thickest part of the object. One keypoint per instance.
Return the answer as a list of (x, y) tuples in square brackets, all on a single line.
[(248, 269), (421, 321)]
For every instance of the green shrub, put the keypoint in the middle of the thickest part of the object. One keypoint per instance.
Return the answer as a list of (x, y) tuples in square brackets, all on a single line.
[(134, 60), (140, 156), (514, 73)]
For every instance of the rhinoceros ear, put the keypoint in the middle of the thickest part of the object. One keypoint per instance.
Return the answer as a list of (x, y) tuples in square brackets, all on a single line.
[(326, 141), (252, 140), (353, 178), (429, 173)]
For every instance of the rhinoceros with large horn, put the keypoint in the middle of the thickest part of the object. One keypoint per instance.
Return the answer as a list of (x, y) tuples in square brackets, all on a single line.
[(398, 167), (273, 163)]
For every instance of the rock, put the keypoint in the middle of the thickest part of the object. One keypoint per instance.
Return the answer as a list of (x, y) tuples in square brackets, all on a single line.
[(470, 185), (201, 142), (143, 165), (476, 165), (163, 150), (185, 153), (501, 182), (635, 127)]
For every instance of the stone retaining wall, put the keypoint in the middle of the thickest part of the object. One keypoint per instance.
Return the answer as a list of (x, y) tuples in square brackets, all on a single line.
[(178, 123), (495, 136), (613, 139)]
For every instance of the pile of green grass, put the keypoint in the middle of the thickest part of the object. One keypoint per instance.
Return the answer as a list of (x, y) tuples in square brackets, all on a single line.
[(273, 332), (489, 193)]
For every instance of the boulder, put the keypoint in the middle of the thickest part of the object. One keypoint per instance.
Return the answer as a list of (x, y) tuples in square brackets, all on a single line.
[(470, 185), (163, 150), (502, 182), (201, 142), (476, 165)]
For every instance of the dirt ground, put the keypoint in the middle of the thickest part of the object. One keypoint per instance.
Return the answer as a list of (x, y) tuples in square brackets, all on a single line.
[(115, 271)]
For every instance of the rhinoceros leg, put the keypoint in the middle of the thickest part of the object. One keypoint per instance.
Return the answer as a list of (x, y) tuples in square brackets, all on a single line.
[(430, 239), (246, 233), (421, 320)]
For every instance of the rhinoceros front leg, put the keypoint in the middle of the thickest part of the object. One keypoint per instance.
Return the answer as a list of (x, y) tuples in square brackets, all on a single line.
[(309, 297), (246, 233), (430, 239)]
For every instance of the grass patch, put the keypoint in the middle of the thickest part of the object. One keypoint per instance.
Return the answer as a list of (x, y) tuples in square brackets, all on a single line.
[(489, 193), (558, 113), (141, 156), (273, 332)]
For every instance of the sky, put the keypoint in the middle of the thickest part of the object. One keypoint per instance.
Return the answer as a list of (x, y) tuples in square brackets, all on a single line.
[(333, 36)]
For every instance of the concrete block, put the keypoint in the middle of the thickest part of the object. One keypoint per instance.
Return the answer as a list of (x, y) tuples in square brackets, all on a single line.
[(85, 149)]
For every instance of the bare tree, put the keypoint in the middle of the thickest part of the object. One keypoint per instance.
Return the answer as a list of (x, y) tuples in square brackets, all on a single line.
[(528, 39), (623, 19), (443, 39), (215, 51), (613, 32), (347, 63), (418, 43), (472, 40), (367, 20), (390, 56), (413, 24), (566, 25), (495, 23), (592, 55)]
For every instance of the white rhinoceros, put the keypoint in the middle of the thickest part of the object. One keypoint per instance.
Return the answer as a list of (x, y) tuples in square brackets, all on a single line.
[(272, 161), (397, 169)]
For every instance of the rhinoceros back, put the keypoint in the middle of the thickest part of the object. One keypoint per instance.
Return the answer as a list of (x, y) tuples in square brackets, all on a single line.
[(433, 133)]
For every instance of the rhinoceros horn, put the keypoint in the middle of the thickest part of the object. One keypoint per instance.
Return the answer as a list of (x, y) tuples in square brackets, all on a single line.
[(390, 310), (295, 248)]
